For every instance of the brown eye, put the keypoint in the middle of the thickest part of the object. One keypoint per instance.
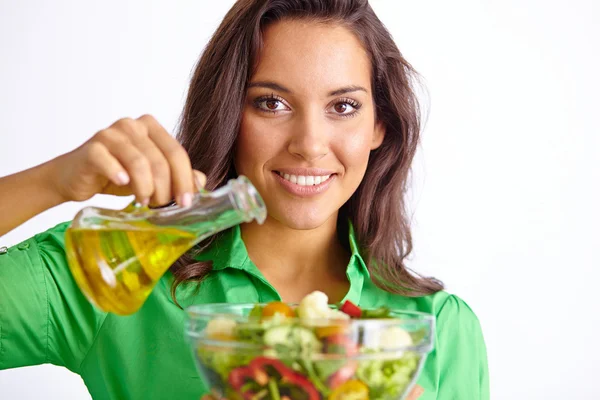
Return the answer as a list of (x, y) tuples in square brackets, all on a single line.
[(341, 108), (345, 108), (272, 104)]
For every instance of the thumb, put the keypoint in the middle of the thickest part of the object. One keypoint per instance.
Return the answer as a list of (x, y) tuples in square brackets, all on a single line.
[(415, 393), (199, 180)]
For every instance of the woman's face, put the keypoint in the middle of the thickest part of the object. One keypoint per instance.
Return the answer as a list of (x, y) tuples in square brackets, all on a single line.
[(308, 123)]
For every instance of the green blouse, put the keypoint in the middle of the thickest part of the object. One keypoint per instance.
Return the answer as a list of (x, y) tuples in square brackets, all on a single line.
[(44, 318)]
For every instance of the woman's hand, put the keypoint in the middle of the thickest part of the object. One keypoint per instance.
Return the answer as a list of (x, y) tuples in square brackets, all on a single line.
[(415, 393), (132, 156)]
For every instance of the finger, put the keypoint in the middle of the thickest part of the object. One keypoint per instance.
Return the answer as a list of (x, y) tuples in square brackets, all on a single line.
[(415, 393), (106, 165), (199, 180), (137, 133), (161, 172), (181, 168), (136, 164)]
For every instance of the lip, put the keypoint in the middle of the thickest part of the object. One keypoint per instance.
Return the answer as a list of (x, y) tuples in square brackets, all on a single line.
[(305, 191), (305, 171)]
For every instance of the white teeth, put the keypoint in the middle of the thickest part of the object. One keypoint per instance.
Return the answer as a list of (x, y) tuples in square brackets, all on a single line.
[(304, 180)]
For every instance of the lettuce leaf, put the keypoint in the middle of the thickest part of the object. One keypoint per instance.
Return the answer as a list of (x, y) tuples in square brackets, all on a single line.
[(387, 379)]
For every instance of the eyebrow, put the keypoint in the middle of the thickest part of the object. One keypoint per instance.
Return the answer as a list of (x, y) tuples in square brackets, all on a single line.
[(280, 88), (347, 89), (269, 85)]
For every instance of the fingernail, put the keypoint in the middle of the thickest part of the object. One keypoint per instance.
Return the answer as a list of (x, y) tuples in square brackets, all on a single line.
[(186, 199), (145, 201), (123, 178)]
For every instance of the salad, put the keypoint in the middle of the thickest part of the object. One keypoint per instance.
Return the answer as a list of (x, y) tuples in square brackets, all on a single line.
[(310, 351)]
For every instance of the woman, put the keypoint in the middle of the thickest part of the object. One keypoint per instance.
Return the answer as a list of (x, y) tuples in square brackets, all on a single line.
[(312, 101)]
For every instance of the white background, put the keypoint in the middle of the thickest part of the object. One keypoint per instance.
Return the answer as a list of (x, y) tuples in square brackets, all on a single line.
[(506, 185)]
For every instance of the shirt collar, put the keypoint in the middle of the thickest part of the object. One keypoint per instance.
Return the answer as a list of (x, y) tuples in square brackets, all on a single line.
[(357, 270), (229, 251)]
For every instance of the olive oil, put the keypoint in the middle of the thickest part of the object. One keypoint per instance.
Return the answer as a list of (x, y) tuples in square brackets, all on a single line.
[(118, 256), (119, 267)]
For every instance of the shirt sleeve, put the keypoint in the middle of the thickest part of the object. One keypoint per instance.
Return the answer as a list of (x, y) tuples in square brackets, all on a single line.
[(461, 352), (44, 317)]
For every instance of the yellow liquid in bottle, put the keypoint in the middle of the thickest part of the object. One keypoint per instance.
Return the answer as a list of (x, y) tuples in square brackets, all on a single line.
[(118, 268)]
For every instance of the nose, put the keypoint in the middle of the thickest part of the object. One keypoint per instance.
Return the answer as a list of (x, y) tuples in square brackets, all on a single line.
[(310, 137)]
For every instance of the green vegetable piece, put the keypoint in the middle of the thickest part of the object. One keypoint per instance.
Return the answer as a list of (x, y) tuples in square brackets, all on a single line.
[(314, 378), (223, 362), (274, 390), (292, 340), (260, 395), (381, 312), (256, 312), (250, 332), (326, 368), (389, 378)]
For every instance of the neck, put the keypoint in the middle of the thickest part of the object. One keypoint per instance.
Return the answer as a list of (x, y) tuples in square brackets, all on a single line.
[(302, 259)]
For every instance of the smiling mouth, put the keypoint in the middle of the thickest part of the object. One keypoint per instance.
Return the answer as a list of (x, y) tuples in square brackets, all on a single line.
[(305, 180)]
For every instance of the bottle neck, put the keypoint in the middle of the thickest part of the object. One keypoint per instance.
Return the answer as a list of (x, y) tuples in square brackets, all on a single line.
[(211, 212)]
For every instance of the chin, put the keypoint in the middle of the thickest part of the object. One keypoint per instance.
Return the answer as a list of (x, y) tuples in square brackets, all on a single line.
[(302, 220)]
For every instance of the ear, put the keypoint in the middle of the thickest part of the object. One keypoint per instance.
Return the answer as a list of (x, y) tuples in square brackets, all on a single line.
[(378, 135)]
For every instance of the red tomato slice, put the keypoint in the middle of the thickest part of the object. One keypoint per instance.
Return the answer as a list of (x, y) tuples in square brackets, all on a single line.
[(351, 309)]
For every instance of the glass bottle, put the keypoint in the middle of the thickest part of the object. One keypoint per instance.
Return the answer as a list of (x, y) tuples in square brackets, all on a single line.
[(117, 256)]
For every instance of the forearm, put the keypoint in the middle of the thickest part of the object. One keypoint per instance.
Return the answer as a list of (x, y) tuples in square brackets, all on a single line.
[(26, 194)]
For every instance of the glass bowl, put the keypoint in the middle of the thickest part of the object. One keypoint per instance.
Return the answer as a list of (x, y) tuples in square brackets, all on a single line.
[(243, 357)]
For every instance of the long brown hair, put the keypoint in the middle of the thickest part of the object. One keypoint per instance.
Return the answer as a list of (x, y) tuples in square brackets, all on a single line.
[(211, 120)]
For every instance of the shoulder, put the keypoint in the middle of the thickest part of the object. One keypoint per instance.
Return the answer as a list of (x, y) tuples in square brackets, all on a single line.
[(52, 239), (56, 233), (460, 353), (455, 317), (441, 303), (50, 244), (451, 311), (457, 366), (47, 243), (456, 309), (374, 296)]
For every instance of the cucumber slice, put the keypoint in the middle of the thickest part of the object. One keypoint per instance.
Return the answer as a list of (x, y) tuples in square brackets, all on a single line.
[(292, 337)]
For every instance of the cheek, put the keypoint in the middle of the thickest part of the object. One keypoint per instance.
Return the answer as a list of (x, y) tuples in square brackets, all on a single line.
[(354, 149), (255, 146)]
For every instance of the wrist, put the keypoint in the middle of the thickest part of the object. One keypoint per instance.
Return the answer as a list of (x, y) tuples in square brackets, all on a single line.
[(44, 177)]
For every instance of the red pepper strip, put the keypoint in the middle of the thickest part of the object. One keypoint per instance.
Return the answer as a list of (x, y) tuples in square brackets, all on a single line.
[(287, 375), (238, 377), (351, 309)]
